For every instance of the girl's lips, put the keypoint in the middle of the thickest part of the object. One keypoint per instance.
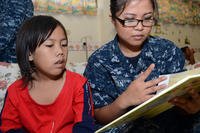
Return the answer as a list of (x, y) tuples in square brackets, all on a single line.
[(60, 64), (60, 61)]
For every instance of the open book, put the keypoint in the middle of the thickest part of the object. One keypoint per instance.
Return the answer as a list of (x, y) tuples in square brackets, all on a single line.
[(177, 85)]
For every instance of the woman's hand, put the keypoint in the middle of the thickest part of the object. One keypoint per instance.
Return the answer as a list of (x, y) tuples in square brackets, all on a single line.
[(139, 90), (191, 105)]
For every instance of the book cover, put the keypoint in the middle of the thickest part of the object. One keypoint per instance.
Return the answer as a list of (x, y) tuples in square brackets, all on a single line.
[(177, 85)]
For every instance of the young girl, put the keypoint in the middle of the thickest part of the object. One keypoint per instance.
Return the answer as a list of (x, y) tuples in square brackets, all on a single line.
[(115, 70), (48, 98)]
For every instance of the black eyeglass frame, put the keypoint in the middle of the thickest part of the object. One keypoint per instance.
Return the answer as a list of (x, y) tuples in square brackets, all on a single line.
[(138, 21)]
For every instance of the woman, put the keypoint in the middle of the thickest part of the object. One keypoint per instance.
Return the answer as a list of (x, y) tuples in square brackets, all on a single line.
[(124, 72)]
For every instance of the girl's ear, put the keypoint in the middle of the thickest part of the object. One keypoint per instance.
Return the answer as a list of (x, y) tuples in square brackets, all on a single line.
[(30, 57)]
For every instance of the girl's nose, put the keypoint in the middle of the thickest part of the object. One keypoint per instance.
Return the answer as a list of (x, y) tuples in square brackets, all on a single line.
[(59, 51)]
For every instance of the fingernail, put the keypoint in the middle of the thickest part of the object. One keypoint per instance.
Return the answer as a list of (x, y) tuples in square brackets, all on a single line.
[(164, 85)]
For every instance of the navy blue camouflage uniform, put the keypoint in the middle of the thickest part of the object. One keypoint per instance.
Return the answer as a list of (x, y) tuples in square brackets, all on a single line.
[(110, 72), (12, 15)]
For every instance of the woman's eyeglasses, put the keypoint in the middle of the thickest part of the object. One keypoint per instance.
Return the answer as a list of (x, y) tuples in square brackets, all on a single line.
[(134, 22)]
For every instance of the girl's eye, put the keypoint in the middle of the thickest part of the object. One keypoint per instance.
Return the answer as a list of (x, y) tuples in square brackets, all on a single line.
[(49, 45), (64, 43)]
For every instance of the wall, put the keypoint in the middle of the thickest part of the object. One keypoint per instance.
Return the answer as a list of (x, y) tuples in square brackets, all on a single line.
[(97, 30)]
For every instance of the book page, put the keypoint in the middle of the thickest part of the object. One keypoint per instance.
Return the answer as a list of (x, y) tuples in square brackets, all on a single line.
[(178, 76), (174, 78)]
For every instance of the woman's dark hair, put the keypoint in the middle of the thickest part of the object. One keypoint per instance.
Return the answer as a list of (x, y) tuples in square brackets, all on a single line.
[(32, 34), (119, 5)]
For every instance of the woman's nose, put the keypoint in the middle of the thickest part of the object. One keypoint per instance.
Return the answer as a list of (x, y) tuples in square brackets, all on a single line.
[(139, 26)]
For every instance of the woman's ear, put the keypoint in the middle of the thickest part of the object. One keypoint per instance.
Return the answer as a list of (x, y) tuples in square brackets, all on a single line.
[(30, 57), (113, 21)]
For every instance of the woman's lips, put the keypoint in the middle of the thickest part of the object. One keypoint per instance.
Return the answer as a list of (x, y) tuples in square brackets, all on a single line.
[(138, 37)]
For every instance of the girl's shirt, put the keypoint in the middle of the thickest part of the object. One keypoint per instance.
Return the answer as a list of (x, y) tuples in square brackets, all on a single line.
[(109, 72), (70, 112)]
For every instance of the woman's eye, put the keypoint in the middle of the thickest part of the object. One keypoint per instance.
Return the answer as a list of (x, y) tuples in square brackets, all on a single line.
[(131, 20), (148, 18)]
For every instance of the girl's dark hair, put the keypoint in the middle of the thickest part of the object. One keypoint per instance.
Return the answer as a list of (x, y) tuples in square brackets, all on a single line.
[(119, 5), (32, 34)]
